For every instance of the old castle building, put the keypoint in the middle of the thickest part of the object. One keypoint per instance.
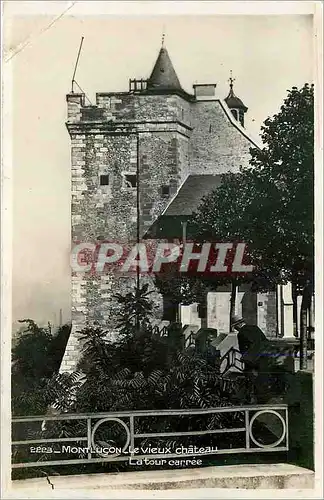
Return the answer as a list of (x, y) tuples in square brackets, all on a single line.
[(154, 150)]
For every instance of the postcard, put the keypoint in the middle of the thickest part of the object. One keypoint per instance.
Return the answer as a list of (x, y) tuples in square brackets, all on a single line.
[(162, 264)]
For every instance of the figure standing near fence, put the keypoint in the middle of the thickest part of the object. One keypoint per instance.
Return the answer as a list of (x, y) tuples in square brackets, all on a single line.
[(255, 349)]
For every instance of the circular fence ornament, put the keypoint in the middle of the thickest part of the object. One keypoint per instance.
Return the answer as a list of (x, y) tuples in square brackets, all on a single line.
[(284, 429), (95, 428)]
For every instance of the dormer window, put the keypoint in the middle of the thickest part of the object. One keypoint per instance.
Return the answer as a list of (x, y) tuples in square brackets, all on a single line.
[(238, 115), (238, 109)]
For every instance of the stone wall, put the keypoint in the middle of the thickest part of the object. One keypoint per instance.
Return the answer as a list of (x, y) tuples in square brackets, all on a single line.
[(150, 129), (164, 162), (267, 313), (216, 146), (258, 309), (129, 107)]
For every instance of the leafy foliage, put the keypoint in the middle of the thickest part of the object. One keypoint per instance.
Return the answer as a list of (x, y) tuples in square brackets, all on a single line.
[(135, 310), (36, 358), (29, 355), (146, 373)]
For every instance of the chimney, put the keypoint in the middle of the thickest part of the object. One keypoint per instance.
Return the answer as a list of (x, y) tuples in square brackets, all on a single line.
[(204, 90), (74, 104)]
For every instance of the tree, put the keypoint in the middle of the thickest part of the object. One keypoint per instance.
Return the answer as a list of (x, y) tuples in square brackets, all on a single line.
[(36, 359), (270, 204), (135, 311)]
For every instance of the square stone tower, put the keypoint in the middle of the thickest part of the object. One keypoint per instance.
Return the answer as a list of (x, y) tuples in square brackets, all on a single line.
[(130, 155)]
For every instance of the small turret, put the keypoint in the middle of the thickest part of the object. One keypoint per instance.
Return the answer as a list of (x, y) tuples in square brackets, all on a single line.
[(238, 109), (163, 76)]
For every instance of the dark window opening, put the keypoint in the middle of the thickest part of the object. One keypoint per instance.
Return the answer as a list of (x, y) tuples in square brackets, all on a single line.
[(165, 190), (234, 113), (241, 117), (131, 180), (104, 180)]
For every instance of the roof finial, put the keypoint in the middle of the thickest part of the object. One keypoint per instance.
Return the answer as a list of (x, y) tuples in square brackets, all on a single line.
[(231, 80), (163, 36)]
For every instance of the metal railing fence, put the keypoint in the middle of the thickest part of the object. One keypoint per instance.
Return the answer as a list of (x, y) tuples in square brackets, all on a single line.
[(128, 420)]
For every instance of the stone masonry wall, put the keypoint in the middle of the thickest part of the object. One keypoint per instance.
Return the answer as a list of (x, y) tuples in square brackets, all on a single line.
[(137, 107), (216, 145), (110, 212), (271, 314)]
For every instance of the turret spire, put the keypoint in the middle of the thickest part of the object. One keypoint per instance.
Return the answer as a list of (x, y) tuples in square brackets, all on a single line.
[(234, 103), (163, 75)]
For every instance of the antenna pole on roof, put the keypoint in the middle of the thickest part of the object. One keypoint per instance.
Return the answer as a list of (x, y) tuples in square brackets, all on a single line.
[(76, 65)]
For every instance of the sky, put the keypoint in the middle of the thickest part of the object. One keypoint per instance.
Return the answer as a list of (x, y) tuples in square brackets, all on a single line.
[(268, 54)]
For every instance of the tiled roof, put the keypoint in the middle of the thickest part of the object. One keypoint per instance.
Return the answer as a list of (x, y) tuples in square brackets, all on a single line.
[(185, 202), (191, 193), (163, 75)]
